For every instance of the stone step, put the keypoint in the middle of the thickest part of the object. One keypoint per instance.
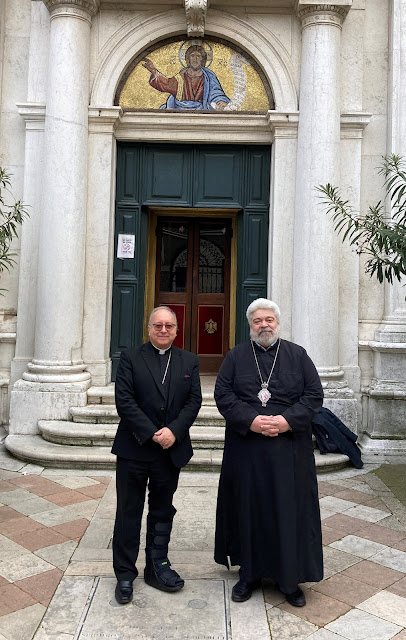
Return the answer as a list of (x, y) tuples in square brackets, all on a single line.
[(107, 414), (204, 437), (207, 383), (105, 395), (101, 395), (209, 415), (102, 435), (208, 399), (36, 450), (95, 414)]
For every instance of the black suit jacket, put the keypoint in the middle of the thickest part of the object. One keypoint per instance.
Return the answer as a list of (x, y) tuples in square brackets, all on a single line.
[(142, 408)]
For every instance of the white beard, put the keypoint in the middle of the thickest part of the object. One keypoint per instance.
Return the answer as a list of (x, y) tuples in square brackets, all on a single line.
[(264, 337)]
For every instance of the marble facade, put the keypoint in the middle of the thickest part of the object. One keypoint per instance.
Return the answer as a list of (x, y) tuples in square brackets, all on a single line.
[(337, 71)]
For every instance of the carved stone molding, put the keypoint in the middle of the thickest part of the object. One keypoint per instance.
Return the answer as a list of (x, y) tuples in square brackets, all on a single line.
[(33, 114), (242, 128), (89, 6), (196, 17), (283, 125), (353, 125), (323, 13), (104, 120)]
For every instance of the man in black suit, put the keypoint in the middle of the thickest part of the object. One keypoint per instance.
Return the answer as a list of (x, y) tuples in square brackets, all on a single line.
[(158, 397)]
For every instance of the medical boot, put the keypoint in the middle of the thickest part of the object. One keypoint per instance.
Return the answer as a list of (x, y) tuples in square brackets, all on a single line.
[(158, 572)]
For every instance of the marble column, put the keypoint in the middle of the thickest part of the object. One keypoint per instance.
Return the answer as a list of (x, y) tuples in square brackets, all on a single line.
[(386, 419), (34, 117), (99, 250), (282, 213), (14, 43), (33, 114), (56, 378), (315, 317), (352, 132)]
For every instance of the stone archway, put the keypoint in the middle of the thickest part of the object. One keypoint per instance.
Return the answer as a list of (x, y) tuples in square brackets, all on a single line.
[(133, 37)]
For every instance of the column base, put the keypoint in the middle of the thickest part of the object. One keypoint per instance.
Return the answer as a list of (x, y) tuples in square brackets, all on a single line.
[(387, 412), (56, 372), (382, 449), (386, 396), (338, 397), (46, 392)]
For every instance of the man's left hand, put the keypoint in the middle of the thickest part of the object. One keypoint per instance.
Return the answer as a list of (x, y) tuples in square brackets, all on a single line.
[(164, 437), (279, 422)]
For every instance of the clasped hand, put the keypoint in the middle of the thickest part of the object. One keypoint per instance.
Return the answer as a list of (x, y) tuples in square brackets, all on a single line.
[(164, 437), (270, 425)]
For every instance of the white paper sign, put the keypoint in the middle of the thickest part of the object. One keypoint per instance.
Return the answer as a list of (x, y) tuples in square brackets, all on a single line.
[(125, 246)]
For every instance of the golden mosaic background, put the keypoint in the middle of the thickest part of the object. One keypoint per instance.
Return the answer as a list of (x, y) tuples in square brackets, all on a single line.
[(138, 94)]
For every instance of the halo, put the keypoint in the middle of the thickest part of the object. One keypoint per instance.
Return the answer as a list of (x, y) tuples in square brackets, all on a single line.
[(188, 43)]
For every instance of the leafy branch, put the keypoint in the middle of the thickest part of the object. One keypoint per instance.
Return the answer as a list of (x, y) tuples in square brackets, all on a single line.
[(11, 216), (375, 233)]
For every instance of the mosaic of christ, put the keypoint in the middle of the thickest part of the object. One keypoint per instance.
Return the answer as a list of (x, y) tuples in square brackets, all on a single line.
[(195, 75)]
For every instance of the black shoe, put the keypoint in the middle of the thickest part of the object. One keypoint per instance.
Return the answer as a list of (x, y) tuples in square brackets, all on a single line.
[(297, 598), (124, 591), (158, 574), (242, 591)]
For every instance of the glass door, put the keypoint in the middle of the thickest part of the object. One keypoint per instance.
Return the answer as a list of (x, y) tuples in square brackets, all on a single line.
[(193, 278)]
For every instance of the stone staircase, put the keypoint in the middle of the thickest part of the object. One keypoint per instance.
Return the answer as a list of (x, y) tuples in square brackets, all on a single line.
[(85, 440)]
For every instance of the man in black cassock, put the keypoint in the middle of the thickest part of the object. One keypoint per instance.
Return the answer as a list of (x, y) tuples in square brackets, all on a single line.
[(268, 518)]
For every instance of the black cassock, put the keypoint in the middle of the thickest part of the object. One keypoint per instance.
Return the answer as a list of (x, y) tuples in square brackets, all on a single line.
[(268, 518)]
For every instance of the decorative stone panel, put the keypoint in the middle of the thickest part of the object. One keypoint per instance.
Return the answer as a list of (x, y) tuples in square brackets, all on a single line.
[(196, 16), (90, 6)]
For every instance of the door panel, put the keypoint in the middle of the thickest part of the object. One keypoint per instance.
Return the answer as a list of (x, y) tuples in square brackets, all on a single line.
[(193, 278), (173, 281)]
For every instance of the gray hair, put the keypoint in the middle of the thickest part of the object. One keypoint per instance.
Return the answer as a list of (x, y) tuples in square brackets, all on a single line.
[(163, 307), (263, 303)]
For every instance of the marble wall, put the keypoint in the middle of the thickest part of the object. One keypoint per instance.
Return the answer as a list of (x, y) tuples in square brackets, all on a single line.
[(330, 67)]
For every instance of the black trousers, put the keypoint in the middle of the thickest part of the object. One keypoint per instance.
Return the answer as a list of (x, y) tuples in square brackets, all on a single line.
[(132, 478)]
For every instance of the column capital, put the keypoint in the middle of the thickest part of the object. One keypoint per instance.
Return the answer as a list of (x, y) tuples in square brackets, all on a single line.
[(89, 7), (311, 13)]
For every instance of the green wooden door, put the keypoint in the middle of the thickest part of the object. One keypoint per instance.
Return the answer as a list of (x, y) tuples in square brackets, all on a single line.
[(189, 176)]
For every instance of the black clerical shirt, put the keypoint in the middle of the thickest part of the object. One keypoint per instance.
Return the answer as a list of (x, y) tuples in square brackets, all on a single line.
[(163, 363)]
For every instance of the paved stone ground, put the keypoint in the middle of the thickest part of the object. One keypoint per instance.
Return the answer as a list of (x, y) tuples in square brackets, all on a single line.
[(56, 578)]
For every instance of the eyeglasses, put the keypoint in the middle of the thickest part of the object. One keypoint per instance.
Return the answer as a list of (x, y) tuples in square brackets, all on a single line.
[(158, 326), (259, 321)]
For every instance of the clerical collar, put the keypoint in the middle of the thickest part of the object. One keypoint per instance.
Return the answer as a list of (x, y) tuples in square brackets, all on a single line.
[(266, 348), (161, 351)]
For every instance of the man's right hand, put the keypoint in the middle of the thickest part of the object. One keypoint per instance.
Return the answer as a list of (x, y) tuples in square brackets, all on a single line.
[(164, 437), (264, 425), (148, 64)]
